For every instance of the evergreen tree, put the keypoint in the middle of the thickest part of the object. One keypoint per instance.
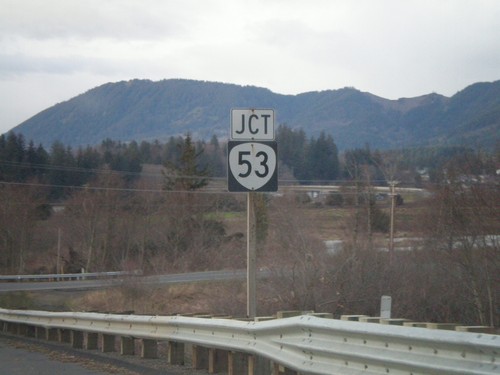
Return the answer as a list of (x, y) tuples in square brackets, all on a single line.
[(38, 160), (215, 158), (292, 146), (89, 160), (186, 174), (321, 161), (171, 151), (189, 228), (127, 159), (63, 169), (145, 152), (12, 156)]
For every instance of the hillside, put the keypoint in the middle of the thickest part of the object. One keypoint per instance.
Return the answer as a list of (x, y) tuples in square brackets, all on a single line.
[(146, 110)]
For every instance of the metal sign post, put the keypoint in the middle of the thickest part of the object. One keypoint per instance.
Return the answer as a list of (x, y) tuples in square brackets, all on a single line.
[(252, 167), (251, 256)]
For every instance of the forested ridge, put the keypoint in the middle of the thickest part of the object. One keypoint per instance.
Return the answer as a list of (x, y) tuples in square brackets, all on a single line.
[(140, 110)]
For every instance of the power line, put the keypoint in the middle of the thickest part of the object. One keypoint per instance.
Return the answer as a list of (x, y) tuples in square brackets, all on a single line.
[(105, 188)]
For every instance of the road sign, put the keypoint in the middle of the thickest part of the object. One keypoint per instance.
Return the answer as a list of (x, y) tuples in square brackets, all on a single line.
[(253, 166), (252, 124)]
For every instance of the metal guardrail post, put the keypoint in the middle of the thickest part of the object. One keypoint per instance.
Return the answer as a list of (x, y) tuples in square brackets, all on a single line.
[(77, 339), (199, 359), (40, 333), (149, 349), (107, 343), (64, 335), (238, 364), (91, 342), (175, 353), (127, 345), (52, 334), (217, 360)]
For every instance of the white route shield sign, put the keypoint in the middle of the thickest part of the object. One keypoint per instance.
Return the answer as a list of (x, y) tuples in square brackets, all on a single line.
[(252, 166)]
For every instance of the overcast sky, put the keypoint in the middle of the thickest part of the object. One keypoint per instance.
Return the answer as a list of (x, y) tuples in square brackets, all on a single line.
[(53, 50)]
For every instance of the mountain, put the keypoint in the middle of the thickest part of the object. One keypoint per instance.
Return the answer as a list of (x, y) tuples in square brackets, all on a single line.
[(146, 110)]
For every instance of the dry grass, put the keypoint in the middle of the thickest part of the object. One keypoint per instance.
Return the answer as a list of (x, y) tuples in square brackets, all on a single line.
[(192, 298), (328, 223)]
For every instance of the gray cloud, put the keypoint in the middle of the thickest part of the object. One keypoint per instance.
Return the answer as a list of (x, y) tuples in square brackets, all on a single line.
[(49, 19), (20, 64)]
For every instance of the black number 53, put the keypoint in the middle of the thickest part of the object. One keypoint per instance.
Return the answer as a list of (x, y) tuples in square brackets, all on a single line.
[(262, 169)]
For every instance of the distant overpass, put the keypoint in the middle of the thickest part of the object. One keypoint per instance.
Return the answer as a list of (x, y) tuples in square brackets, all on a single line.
[(338, 188)]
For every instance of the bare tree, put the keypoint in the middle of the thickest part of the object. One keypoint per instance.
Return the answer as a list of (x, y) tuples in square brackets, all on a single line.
[(464, 217), (19, 211), (94, 213), (296, 257)]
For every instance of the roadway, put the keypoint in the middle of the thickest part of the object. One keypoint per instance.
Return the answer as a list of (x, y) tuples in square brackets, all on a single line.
[(156, 280), (21, 357), (26, 356)]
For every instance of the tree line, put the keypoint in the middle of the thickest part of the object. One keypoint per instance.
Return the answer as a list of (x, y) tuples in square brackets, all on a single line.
[(306, 160), (309, 159)]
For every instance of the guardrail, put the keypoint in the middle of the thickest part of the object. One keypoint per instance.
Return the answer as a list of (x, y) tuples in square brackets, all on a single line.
[(69, 276), (304, 344)]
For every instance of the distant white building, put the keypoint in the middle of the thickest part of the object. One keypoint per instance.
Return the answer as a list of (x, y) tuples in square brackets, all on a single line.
[(334, 246)]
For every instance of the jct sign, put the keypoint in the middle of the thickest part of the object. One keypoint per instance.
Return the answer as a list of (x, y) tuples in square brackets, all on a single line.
[(252, 151), (252, 124)]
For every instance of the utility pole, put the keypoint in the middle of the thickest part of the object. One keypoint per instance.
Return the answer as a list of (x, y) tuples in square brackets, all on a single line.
[(393, 206)]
